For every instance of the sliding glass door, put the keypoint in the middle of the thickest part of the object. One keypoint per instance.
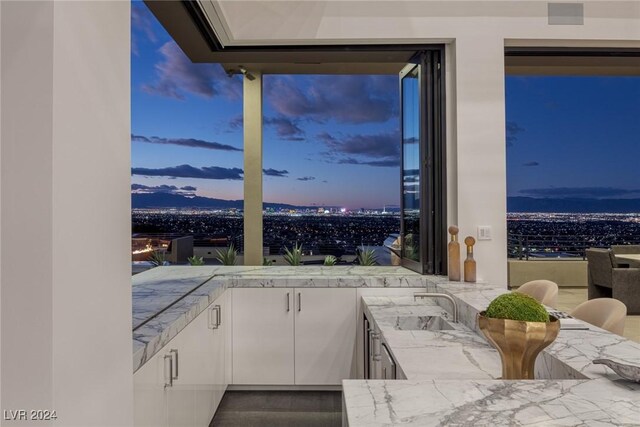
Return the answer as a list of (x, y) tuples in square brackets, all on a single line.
[(423, 203)]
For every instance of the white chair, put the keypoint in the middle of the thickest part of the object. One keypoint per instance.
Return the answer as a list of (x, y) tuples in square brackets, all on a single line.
[(544, 291), (606, 313)]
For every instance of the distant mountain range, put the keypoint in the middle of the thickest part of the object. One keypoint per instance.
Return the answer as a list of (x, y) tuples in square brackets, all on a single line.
[(531, 204), (167, 200), (514, 204)]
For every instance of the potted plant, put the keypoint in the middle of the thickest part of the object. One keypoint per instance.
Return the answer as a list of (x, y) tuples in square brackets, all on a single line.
[(330, 260), (195, 260), (519, 327), (366, 257), (293, 256), (227, 256)]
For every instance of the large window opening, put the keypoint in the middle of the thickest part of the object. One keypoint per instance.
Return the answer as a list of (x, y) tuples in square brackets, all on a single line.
[(573, 140), (331, 152), (186, 152)]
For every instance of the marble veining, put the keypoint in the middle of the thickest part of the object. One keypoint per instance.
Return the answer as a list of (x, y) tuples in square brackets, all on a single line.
[(492, 403), (422, 354), (453, 376), (161, 310)]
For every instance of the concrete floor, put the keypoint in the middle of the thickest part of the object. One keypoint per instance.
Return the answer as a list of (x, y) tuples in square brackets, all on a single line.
[(279, 409), (569, 298)]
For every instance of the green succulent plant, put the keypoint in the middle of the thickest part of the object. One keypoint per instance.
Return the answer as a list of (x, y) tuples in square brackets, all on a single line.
[(195, 260), (157, 258), (227, 256), (293, 256), (517, 306), (367, 257), (266, 261), (330, 260)]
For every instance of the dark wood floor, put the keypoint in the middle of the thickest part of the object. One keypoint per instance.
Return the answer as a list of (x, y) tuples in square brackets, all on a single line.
[(279, 409)]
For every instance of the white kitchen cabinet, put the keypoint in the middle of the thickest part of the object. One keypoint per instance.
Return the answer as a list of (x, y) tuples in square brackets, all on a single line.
[(197, 356), (262, 336), (293, 336), (361, 334), (149, 394), (325, 335), (212, 383)]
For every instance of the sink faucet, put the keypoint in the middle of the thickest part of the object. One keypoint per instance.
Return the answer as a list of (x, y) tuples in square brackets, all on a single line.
[(438, 295)]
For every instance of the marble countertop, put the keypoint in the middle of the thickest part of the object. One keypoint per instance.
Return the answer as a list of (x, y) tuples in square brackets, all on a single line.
[(452, 375), (165, 299), (492, 403), (457, 353)]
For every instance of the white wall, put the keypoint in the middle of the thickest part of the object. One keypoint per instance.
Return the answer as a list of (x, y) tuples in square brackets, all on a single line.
[(65, 211)]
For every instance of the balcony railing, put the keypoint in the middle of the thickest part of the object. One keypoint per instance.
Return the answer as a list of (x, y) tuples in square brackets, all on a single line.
[(524, 246)]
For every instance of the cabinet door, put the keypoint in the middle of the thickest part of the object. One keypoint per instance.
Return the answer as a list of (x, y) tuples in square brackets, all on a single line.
[(262, 320), (185, 349), (325, 335), (149, 394), (210, 392), (204, 364)]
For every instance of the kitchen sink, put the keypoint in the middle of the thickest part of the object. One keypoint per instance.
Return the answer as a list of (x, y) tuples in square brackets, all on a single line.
[(422, 323)]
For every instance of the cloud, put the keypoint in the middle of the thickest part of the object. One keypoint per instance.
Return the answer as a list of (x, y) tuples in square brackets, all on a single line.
[(285, 128), (188, 171), (141, 24), (513, 129), (531, 164), (178, 77), (381, 150), (168, 189), (275, 172), (306, 178), (352, 99), (236, 122), (378, 163), (185, 142), (377, 145), (580, 192)]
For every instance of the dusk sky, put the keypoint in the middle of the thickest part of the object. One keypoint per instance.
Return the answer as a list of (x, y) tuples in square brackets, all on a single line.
[(334, 140)]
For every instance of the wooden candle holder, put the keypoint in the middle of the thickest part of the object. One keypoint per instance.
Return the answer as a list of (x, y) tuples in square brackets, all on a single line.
[(470, 263), (454, 255)]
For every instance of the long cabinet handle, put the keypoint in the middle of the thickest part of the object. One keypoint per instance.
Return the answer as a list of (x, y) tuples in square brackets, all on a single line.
[(299, 301), (174, 351), (169, 382), (218, 311), (288, 302)]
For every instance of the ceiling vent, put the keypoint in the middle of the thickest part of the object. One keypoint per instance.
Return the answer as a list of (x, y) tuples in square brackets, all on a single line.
[(566, 13)]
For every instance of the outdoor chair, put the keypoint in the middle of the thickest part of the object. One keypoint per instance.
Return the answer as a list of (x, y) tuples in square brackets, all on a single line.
[(605, 281), (544, 291), (180, 250), (606, 313)]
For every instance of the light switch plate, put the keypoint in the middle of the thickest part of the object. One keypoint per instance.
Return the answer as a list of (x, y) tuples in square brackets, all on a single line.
[(484, 232)]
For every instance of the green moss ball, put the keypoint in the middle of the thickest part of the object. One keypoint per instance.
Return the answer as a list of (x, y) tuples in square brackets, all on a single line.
[(517, 306)]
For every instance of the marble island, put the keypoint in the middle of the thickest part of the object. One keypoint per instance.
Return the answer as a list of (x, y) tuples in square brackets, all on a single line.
[(451, 377)]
